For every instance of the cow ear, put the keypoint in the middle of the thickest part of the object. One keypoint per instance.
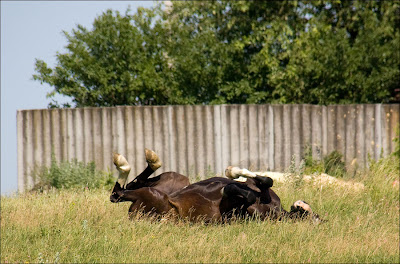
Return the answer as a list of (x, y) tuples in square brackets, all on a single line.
[(123, 168)]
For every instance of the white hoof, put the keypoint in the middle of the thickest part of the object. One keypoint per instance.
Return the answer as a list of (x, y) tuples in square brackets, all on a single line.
[(236, 172), (123, 168)]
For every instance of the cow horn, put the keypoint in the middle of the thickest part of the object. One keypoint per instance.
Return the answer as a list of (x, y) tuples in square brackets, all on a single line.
[(123, 168), (152, 159), (235, 172)]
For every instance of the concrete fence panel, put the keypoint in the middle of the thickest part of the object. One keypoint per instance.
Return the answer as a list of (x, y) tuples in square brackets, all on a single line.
[(198, 140)]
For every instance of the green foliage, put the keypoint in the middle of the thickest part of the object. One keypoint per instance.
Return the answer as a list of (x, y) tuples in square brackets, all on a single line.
[(342, 55), (334, 164), (71, 174), (396, 141), (331, 164), (216, 52), (118, 62)]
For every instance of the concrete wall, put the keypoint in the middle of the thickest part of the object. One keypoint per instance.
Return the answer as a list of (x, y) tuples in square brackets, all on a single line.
[(194, 140)]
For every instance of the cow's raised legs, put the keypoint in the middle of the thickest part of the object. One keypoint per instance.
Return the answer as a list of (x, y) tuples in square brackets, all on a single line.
[(153, 163), (268, 205), (236, 198), (124, 182)]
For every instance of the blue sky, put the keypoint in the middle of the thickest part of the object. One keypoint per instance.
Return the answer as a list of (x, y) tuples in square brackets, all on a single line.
[(29, 30)]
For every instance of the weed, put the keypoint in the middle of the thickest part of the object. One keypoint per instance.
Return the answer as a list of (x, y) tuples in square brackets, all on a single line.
[(396, 141), (334, 165), (71, 174), (331, 164)]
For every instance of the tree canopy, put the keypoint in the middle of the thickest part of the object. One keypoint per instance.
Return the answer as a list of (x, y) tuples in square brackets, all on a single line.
[(224, 52)]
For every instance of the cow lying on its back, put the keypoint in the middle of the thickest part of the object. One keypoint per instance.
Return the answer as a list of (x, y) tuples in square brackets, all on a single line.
[(214, 199), (142, 188)]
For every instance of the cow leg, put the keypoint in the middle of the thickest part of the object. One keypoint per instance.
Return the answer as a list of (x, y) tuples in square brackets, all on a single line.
[(233, 190), (123, 168), (152, 159), (236, 198), (235, 173), (241, 175), (153, 163)]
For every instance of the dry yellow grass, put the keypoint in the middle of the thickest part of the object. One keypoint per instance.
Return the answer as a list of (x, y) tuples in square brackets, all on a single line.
[(82, 226)]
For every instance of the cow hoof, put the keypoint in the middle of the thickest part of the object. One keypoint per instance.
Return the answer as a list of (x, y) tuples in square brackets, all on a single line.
[(266, 181), (152, 159), (235, 172), (228, 172), (116, 159), (123, 168), (121, 163)]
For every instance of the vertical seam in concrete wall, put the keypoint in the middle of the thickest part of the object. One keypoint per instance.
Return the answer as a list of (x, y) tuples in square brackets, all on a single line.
[(225, 135), (271, 139), (20, 151), (217, 139), (30, 150), (259, 136), (364, 131), (170, 142), (378, 131), (309, 113)]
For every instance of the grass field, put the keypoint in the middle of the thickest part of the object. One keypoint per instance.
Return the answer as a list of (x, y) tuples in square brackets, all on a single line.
[(83, 226)]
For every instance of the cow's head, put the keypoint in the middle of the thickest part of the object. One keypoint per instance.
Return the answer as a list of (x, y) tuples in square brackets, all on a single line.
[(301, 208)]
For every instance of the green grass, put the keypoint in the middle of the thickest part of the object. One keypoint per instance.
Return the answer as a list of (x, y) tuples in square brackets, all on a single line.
[(70, 174), (82, 226)]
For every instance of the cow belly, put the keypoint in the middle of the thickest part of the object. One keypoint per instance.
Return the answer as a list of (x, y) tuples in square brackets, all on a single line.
[(149, 200), (195, 207), (170, 182)]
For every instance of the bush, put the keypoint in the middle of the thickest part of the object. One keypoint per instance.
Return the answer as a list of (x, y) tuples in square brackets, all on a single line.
[(334, 164), (331, 164), (71, 174)]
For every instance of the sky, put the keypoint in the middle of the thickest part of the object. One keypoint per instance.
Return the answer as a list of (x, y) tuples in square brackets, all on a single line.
[(30, 30)]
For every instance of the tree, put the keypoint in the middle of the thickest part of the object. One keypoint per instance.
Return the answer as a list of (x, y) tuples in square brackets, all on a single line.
[(118, 62), (213, 52), (347, 55)]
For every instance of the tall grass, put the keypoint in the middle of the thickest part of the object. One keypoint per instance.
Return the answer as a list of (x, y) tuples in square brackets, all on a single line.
[(70, 174), (82, 226)]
